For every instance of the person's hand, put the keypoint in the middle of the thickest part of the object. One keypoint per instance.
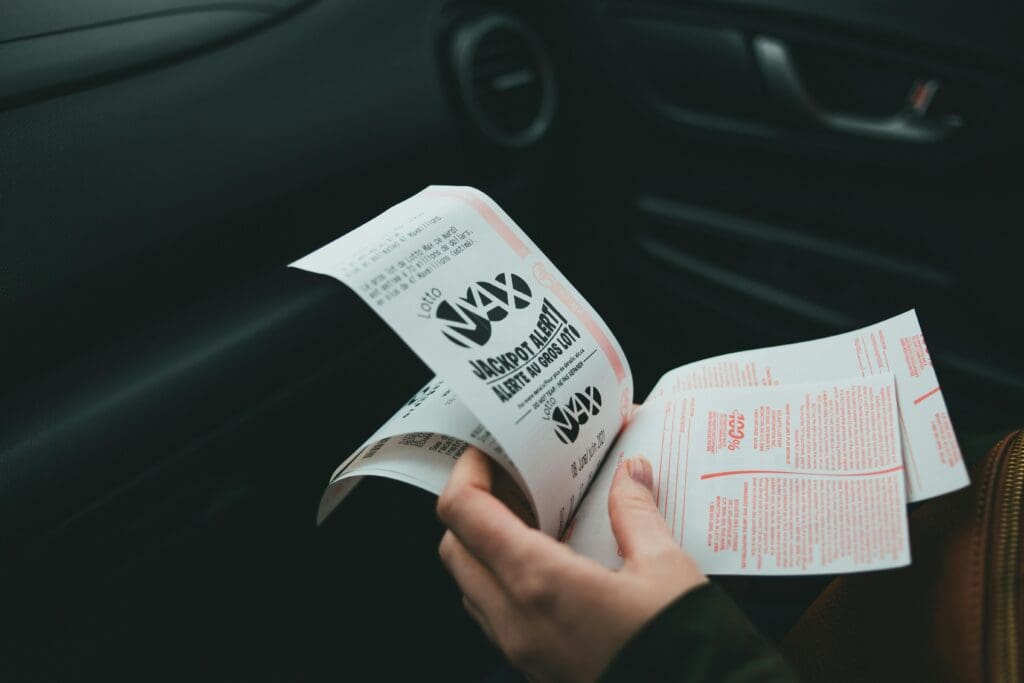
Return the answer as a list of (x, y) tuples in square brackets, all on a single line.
[(556, 615)]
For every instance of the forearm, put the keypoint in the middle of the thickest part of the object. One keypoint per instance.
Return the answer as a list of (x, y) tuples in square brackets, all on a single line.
[(702, 636)]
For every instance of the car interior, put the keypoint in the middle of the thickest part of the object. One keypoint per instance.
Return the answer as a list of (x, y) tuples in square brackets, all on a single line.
[(711, 175)]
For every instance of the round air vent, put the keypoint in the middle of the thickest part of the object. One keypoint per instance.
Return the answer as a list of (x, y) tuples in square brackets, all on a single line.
[(506, 79)]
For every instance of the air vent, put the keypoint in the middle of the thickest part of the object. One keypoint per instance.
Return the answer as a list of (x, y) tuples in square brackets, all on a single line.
[(505, 78)]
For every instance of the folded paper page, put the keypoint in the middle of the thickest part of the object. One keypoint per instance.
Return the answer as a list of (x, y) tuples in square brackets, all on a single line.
[(781, 480), (522, 350), (896, 345), (417, 446)]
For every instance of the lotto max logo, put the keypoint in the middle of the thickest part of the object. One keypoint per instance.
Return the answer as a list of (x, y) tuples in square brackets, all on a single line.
[(569, 418), (469, 317)]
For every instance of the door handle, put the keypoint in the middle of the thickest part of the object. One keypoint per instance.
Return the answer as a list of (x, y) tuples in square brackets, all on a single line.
[(909, 124)]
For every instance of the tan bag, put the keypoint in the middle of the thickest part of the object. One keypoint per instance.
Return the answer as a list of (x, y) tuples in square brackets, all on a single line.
[(955, 614)]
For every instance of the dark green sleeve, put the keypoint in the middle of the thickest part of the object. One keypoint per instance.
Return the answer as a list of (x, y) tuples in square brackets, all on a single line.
[(702, 636)]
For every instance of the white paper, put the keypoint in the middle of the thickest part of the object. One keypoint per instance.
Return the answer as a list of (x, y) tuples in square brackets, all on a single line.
[(418, 445), (525, 354), (783, 480), (896, 345)]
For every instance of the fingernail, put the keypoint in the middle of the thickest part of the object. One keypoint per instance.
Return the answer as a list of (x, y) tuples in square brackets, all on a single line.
[(640, 471)]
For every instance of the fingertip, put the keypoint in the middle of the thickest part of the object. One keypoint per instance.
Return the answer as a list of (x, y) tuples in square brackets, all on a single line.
[(472, 453), (641, 471), (472, 470), (637, 469), (473, 467)]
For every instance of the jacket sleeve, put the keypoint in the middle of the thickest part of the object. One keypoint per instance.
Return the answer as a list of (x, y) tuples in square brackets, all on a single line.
[(702, 636)]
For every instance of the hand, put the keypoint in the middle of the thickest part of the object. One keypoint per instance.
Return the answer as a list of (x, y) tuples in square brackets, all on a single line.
[(559, 616)]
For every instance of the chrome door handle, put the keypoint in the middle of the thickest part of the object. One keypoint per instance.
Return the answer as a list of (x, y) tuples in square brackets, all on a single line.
[(909, 124)]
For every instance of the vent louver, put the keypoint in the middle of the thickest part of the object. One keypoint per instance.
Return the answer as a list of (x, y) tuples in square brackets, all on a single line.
[(506, 79)]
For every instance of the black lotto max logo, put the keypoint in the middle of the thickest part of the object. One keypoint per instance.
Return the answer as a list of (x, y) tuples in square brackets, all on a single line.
[(469, 318), (574, 414)]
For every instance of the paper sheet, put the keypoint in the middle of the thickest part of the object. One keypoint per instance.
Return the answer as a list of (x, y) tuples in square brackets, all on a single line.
[(785, 480), (418, 445), (896, 345)]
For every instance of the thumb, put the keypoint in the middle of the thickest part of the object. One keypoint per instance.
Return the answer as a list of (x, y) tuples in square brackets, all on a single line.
[(637, 523)]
